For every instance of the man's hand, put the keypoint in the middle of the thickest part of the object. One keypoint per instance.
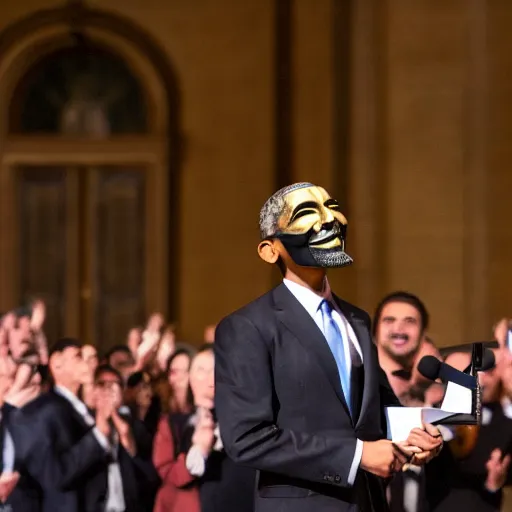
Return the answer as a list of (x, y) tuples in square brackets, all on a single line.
[(125, 434), (20, 397), (429, 441), (8, 482), (497, 469), (383, 458), (104, 409)]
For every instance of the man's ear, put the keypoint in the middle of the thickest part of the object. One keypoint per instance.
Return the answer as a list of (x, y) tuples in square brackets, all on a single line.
[(268, 252), (55, 361)]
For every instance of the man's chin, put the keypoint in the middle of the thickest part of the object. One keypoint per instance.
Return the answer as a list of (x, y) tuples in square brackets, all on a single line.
[(403, 355)]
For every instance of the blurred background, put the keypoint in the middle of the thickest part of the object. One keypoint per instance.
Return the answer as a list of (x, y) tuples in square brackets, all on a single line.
[(138, 140)]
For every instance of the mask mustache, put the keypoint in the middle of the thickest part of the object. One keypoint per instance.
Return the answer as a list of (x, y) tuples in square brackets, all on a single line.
[(328, 231), (399, 336)]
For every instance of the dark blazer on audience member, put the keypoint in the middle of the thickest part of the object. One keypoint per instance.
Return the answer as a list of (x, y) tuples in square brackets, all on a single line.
[(59, 450), (26, 496), (281, 408), (459, 484)]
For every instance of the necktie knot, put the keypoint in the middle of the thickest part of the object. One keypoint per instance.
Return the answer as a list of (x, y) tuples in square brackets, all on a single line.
[(326, 308)]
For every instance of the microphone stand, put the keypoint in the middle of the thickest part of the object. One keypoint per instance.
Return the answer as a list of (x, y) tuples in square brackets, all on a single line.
[(477, 355)]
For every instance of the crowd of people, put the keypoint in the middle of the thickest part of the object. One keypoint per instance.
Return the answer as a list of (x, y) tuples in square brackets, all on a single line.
[(130, 430), (134, 429)]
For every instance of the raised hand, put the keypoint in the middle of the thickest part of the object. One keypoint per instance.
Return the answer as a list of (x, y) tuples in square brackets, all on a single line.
[(497, 470), (8, 481), (38, 316)]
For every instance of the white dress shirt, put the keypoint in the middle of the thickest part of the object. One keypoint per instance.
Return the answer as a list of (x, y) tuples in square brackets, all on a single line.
[(8, 453), (311, 302), (115, 493)]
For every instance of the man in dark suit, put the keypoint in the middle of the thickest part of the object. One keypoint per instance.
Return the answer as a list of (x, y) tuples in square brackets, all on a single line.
[(131, 462), (59, 444), (299, 392), (18, 492)]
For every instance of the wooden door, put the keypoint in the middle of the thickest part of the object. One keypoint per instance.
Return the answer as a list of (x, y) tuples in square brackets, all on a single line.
[(80, 241)]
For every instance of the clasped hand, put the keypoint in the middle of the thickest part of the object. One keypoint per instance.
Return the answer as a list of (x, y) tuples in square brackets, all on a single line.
[(385, 458)]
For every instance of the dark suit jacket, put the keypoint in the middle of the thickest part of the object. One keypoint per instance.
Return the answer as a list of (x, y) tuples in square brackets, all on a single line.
[(226, 486), (26, 496), (281, 408), (459, 484), (59, 451)]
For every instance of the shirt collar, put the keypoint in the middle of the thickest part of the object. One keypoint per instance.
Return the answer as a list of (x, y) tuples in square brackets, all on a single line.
[(308, 298), (70, 397)]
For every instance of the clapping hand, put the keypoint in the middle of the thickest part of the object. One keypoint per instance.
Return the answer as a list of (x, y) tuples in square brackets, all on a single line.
[(125, 433), (204, 436), (497, 470)]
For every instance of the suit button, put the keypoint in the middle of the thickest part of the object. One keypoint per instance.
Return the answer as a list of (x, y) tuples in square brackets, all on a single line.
[(337, 479)]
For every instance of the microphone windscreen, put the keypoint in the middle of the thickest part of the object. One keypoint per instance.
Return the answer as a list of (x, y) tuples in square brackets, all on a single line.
[(429, 367), (488, 361)]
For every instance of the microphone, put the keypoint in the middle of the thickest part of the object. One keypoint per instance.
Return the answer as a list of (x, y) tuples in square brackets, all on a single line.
[(431, 368), (488, 362)]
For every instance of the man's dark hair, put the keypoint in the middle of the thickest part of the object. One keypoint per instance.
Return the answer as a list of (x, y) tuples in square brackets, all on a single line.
[(404, 297), (118, 348), (106, 368), (137, 378), (64, 343), (179, 352)]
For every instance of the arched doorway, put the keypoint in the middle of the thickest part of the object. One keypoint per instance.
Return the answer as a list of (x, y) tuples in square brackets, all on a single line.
[(84, 176)]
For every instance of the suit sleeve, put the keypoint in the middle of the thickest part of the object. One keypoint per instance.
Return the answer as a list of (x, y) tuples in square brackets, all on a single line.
[(244, 407), (55, 469)]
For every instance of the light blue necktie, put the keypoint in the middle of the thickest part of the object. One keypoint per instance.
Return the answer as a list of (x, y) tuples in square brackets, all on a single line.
[(335, 340)]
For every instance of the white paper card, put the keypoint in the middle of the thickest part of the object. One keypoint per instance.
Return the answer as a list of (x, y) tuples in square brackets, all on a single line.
[(457, 399), (401, 420)]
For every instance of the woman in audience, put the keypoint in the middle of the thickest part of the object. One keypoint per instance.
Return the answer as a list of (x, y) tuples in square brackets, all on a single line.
[(197, 475)]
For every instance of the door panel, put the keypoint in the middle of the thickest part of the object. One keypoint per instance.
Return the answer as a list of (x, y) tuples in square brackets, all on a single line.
[(117, 236), (42, 238), (81, 247)]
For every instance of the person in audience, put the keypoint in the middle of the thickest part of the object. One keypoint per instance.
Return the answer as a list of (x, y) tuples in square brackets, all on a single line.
[(120, 358), (18, 492), (476, 464), (60, 445), (196, 473), (130, 473), (178, 368), (140, 399), (399, 326)]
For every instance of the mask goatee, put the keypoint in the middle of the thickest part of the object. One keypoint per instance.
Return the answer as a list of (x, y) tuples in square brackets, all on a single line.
[(304, 253)]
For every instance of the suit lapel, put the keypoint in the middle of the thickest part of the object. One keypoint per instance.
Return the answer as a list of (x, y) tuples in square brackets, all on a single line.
[(72, 412), (365, 342), (298, 321)]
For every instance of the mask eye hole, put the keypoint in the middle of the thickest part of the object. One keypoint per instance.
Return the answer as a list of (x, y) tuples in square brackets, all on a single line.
[(303, 213)]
